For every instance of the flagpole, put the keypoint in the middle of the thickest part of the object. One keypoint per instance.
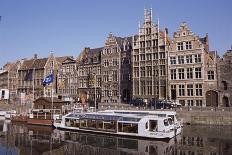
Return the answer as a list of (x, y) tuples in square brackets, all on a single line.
[(52, 86), (95, 100), (33, 86)]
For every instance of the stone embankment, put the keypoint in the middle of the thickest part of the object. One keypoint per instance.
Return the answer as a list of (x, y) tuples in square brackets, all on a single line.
[(202, 116), (206, 117)]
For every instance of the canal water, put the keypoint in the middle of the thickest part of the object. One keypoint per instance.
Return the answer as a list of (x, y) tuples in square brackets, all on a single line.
[(21, 139)]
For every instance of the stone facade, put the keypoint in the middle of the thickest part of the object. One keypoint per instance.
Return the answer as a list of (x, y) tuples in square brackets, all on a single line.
[(149, 61), (116, 70), (68, 80), (89, 76), (53, 65), (225, 79), (192, 70), (31, 71)]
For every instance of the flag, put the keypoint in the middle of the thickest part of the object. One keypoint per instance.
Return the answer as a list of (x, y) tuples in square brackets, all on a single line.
[(48, 79), (29, 76)]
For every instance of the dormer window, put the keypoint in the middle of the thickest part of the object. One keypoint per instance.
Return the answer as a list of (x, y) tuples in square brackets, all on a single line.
[(183, 33)]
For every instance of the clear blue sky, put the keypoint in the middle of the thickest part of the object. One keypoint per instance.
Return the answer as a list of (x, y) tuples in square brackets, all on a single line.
[(67, 26)]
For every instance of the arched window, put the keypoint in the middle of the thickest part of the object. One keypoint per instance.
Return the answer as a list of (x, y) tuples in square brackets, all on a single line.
[(225, 85)]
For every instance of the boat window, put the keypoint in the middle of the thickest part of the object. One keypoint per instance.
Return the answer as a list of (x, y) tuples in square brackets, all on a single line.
[(172, 116), (91, 123), (102, 117), (170, 121), (110, 125), (130, 119), (128, 127), (83, 123), (152, 125), (100, 124), (166, 122), (146, 125)]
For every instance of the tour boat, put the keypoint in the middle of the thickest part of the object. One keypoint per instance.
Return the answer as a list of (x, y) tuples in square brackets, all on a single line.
[(172, 114), (123, 124)]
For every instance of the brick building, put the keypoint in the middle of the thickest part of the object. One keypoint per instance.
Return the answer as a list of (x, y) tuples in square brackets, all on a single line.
[(192, 70), (89, 75), (116, 70)]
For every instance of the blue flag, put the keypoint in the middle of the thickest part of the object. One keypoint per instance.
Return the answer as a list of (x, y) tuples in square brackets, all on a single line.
[(49, 79)]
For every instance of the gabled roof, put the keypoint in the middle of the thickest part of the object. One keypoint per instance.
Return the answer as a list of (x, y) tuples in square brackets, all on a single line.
[(62, 59), (33, 63)]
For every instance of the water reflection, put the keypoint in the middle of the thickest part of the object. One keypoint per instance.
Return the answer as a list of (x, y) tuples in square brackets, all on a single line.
[(195, 140)]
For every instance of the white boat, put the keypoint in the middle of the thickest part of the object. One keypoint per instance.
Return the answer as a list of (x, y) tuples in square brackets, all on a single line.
[(172, 114), (123, 124)]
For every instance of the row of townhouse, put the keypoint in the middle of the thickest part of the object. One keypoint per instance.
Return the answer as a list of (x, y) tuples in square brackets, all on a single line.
[(149, 65)]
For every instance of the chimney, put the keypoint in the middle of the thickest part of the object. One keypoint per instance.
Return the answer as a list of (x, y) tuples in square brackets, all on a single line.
[(35, 56), (166, 30)]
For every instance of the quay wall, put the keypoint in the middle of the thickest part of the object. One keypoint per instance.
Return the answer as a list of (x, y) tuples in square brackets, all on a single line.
[(206, 117), (202, 116)]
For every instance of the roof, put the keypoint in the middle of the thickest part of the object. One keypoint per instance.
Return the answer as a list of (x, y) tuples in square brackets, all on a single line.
[(87, 54), (33, 63), (62, 59)]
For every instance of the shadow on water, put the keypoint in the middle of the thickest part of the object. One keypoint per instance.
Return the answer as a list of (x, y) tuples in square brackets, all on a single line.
[(21, 139)]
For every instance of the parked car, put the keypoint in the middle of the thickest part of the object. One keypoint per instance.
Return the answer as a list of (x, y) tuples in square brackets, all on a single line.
[(137, 102), (163, 104)]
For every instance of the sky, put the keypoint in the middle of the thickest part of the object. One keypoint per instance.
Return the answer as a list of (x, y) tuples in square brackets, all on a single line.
[(66, 27)]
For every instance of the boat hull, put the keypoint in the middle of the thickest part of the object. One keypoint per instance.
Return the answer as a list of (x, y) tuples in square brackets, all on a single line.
[(163, 137), (45, 122)]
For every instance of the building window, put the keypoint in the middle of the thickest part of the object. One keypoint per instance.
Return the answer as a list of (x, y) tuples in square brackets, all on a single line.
[(115, 75), (149, 71), (143, 91), (198, 89), (198, 102), (136, 88), (198, 72), (99, 82), (162, 55), (136, 72), (115, 62), (189, 59), (162, 70), (188, 45), (148, 56), (225, 85), (210, 75), (180, 59), (142, 57), (190, 90), (173, 74), (136, 57), (181, 73), (189, 73), (173, 60), (142, 71), (190, 102), (155, 55), (181, 90), (197, 58), (149, 87), (180, 46)]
